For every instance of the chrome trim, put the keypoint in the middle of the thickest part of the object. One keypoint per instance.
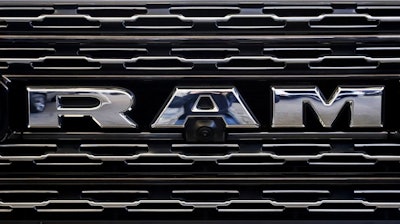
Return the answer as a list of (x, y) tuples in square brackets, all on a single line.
[(243, 14), (296, 145), (28, 145), (341, 210), (310, 206), (377, 192), (219, 159), (28, 192), (205, 145), (189, 63), (205, 191), (111, 145), (114, 192), (295, 191)]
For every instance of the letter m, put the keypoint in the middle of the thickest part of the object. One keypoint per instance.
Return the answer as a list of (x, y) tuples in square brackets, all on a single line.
[(365, 105)]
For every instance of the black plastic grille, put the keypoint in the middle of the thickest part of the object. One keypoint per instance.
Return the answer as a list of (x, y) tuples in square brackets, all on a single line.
[(150, 48)]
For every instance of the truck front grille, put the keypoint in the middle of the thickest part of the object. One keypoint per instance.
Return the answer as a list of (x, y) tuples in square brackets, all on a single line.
[(311, 173)]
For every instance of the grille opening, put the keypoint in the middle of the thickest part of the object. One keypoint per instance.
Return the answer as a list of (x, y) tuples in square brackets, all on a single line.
[(68, 207), (344, 22), (160, 207), (78, 102), (389, 66), (234, 207), (65, 23), (341, 207), (298, 52), (3, 24), (124, 53), (380, 52), (117, 150), (378, 149), (159, 64), (85, 123), (244, 64), (291, 11), (204, 11), (378, 195), (200, 53), (342, 160), (204, 149), (111, 11), (76, 160), (158, 23), (251, 23), (28, 150), (24, 52), (296, 149), (66, 64), (21, 196), (21, 12), (379, 10), (295, 195), (251, 160), (158, 160), (205, 195), (115, 195), (344, 63)]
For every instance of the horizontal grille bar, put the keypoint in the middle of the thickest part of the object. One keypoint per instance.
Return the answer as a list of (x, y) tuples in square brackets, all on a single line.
[(217, 200), (195, 198), (239, 57), (238, 155), (231, 63), (237, 17), (189, 206)]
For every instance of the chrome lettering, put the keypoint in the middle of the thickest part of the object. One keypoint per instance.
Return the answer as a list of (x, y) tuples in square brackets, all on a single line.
[(222, 102), (365, 105), (45, 108)]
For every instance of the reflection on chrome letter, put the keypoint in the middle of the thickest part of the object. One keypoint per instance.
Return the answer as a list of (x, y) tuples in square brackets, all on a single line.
[(225, 103), (106, 106), (365, 105)]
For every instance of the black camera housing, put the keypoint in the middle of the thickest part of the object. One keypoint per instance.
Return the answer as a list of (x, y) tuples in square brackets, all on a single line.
[(205, 130)]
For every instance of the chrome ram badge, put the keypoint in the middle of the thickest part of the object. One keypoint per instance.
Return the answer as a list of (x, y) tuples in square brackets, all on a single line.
[(47, 105)]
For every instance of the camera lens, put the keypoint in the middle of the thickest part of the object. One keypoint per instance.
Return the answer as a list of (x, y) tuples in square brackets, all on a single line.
[(204, 132)]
